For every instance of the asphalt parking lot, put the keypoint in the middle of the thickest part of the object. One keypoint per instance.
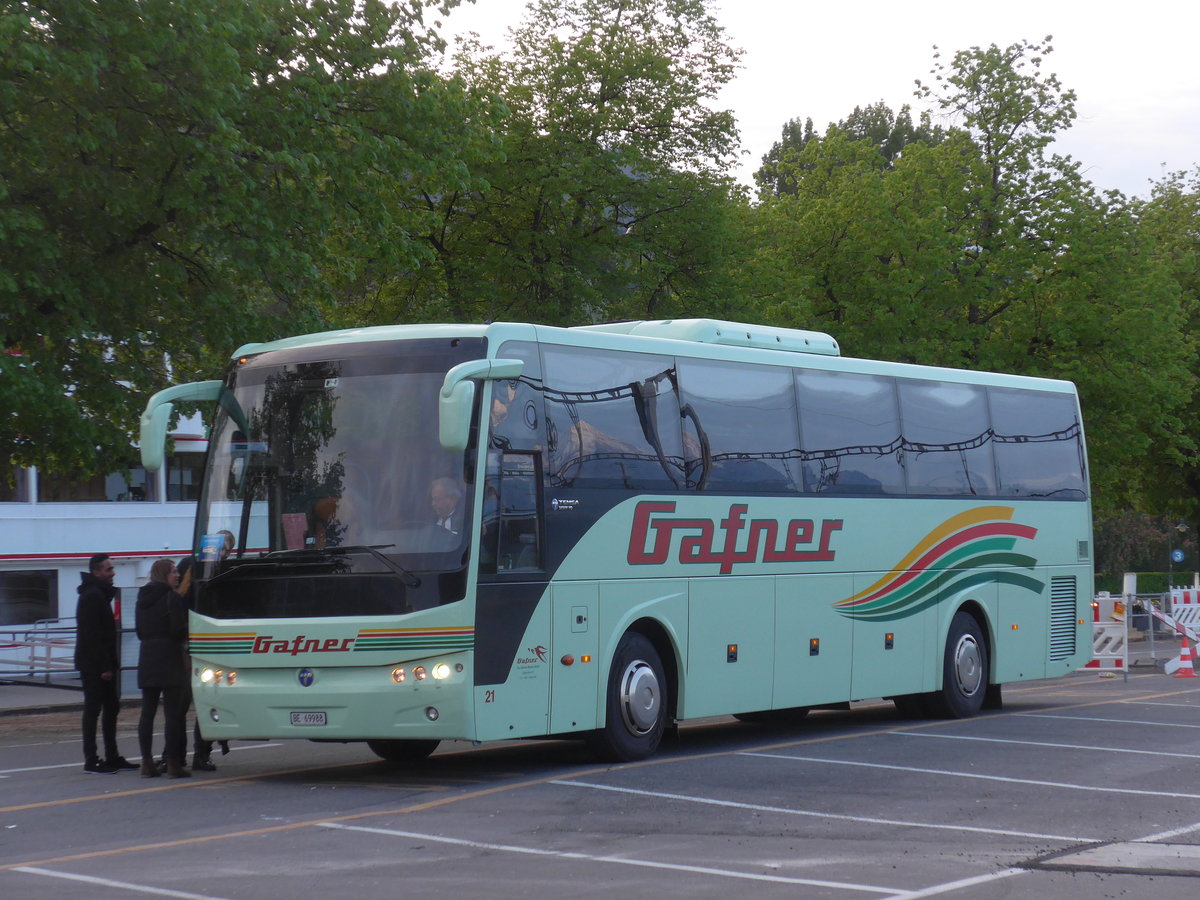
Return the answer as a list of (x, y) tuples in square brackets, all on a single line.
[(1081, 787)]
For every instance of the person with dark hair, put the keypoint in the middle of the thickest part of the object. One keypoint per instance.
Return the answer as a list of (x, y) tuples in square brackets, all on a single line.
[(98, 661), (162, 668), (201, 748)]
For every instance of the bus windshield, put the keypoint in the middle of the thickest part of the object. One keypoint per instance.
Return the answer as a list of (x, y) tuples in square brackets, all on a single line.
[(322, 469)]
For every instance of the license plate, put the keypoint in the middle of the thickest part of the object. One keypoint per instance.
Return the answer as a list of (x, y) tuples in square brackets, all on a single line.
[(309, 718)]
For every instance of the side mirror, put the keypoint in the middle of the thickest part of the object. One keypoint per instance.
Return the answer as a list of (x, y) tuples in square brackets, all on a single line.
[(457, 397), (157, 416)]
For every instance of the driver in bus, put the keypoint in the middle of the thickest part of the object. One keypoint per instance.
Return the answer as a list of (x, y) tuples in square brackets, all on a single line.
[(445, 496)]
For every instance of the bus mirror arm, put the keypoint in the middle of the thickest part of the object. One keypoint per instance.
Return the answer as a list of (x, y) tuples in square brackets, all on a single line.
[(157, 416), (457, 396)]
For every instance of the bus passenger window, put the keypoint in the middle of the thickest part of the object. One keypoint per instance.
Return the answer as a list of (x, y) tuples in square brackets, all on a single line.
[(849, 433), (740, 433), (1039, 444), (948, 439)]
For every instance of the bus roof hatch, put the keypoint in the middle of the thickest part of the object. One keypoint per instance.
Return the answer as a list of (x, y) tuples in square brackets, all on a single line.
[(734, 334)]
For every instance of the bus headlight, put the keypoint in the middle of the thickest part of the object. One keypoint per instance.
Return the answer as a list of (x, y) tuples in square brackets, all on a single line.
[(440, 671), (399, 676), (207, 676), (419, 673)]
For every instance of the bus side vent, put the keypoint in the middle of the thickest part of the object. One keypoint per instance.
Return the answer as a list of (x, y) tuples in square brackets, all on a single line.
[(1085, 551), (1062, 617)]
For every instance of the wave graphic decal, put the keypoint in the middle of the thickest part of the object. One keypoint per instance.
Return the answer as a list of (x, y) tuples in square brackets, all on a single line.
[(972, 548)]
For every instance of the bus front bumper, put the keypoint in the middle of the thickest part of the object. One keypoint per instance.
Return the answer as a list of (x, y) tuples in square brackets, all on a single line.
[(417, 700)]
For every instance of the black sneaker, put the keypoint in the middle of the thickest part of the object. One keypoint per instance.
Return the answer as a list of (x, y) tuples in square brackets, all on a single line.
[(98, 767), (203, 764), (119, 762)]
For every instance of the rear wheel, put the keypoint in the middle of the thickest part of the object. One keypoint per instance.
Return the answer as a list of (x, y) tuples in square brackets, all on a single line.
[(964, 670), (403, 751), (636, 708)]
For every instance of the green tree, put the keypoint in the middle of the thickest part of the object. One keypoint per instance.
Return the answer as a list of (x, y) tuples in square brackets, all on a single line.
[(888, 131), (179, 177), (982, 250), (613, 166), (1171, 222)]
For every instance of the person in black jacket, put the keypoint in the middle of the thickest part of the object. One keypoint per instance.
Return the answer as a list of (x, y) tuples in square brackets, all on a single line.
[(201, 748), (162, 667), (98, 662)]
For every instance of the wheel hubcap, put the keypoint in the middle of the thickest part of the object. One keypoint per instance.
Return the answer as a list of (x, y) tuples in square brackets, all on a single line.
[(640, 697), (968, 665)]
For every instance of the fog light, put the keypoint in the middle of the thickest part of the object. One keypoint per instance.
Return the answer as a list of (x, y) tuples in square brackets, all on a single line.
[(419, 673), (231, 678), (214, 715), (440, 671), (218, 675), (399, 675), (431, 713)]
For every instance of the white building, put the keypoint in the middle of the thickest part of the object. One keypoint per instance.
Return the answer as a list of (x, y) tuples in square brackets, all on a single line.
[(50, 527)]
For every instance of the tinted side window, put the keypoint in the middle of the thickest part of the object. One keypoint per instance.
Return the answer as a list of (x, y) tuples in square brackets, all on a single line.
[(947, 438), (510, 536), (740, 427), (849, 433), (612, 419), (1039, 444), (516, 418)]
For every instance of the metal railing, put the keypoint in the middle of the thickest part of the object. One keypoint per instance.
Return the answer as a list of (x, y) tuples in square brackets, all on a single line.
[(38, 650), (1151, 642)]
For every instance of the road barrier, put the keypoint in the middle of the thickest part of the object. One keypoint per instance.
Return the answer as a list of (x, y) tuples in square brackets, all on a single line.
[(1110, 635)]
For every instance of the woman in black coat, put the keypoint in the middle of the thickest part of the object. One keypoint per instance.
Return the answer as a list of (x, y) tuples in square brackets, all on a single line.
[(162, 667)]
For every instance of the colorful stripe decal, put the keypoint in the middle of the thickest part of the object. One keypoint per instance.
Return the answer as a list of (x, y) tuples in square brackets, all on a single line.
[(967, 550), (388, 639), (446, 639), (224, 642)]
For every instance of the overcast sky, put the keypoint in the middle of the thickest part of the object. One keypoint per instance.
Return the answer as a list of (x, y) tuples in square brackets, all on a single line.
[(1133, 67)]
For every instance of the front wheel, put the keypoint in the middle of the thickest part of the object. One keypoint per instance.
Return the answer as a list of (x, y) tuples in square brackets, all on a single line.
[(636, 708), (403, 751), (964, 670)]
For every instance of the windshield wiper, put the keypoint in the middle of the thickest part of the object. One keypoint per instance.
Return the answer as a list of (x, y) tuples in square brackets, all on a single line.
[(409, 578)]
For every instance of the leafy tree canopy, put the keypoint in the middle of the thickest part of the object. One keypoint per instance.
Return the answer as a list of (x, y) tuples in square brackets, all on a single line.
[(607, 198), (179, 177), (877, 124), (982, 250)]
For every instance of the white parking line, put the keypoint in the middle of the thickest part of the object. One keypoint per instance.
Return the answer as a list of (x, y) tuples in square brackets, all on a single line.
[(619, 860), (4, 773), (936, 889), (733, 804), (108, 882), (1167, 835), (1099, 789), (987, 740), (1095, 719)]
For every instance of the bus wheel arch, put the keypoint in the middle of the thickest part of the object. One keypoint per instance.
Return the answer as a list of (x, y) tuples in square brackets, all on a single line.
[(639, 696), (966, 666)]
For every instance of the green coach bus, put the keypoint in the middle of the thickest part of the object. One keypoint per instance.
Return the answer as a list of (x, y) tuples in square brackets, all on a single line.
[(417, 533)]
